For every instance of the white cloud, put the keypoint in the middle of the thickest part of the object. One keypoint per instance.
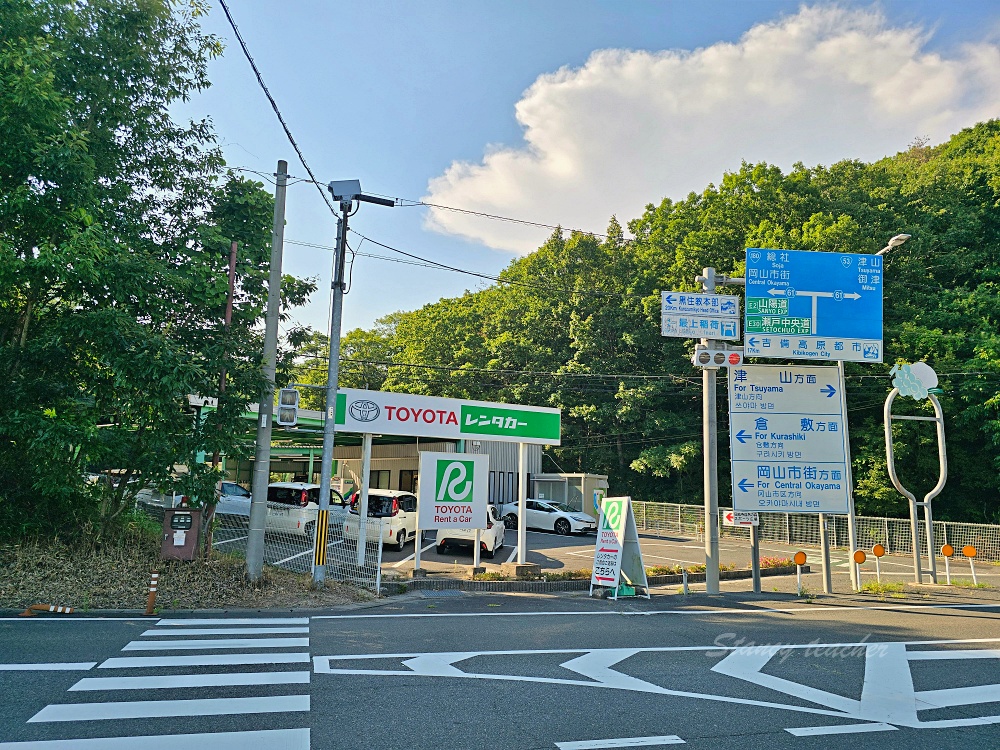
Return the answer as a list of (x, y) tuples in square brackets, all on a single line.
[(631, 127)]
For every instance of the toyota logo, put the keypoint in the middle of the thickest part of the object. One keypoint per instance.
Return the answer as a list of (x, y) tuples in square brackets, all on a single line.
[(364, 411)]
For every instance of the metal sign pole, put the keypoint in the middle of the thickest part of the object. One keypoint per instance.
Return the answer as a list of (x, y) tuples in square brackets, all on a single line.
[(522, 503), (824, 541), (755, 558), (710, 428), (366, 470), (852, 531)]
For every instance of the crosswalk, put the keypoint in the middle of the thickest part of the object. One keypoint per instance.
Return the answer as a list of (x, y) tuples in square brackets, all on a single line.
[(256, 669)]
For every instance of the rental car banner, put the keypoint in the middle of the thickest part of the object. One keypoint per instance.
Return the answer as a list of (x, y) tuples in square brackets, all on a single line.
[(385, 413), (453, 491), (617, 553)]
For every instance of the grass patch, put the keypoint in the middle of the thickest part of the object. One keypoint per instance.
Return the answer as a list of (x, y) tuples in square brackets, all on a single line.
[(885, 588), (569, 575), (492, 576), (966, 583)]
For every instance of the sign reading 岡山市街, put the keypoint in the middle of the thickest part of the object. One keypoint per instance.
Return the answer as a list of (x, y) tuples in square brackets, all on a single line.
[(453, 490), (385, 413)]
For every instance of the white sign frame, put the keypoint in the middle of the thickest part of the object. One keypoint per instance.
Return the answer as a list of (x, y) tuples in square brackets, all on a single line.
[(434, 509)]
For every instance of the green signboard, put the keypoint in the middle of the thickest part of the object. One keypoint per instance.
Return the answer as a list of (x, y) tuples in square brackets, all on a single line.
[(509, 422)]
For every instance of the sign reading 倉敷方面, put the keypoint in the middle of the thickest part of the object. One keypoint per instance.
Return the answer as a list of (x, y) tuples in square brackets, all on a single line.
[(813, 305), (787, 438), (453, 490), (385, 413)]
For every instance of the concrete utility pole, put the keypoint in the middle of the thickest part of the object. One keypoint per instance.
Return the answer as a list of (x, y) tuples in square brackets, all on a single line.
[(262, 457), (710, 430)]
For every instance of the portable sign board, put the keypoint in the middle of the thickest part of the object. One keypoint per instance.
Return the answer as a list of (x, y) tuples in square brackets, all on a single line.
[(454, 490), (385, 413), (787, 439), (813, 305), (740, 518), (617, 554), (700, 316)]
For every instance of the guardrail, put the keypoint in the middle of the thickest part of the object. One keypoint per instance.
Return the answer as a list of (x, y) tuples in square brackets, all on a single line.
[(803, 529)]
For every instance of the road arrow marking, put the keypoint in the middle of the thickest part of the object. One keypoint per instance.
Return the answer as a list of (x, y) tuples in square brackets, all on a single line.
[(829, 390), (742, 436), (748, 485)]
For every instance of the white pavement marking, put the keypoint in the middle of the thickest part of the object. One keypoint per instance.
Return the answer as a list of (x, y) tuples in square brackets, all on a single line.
[(840, 729), (217, 643), (300, 554), (887, 692), (964, 696), (413, 555), (225, 631), (972, 654), (227, 541), (272, 739), (667, 739), (81, 666), (154, 682), (149, 709), (513, 554), (204, 660), (236, 621)]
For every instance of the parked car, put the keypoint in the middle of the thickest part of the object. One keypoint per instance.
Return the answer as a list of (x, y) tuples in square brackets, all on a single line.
[(550, 516), (292, 507), (397, 509), (490, 539), (234, 500)]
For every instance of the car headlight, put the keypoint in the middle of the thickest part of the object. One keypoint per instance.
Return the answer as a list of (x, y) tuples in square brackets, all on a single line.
[(583, 519)]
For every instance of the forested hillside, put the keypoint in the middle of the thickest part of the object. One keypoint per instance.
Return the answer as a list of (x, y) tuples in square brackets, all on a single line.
[(575, 325)]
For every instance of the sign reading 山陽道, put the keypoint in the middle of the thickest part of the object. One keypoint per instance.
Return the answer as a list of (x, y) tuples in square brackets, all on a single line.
[(813, 305), (385, 413), (788, 439), (454, 490)]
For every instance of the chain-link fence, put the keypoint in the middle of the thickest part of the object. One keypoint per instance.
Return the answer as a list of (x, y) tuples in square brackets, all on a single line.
[(289, 539), (803, 529)]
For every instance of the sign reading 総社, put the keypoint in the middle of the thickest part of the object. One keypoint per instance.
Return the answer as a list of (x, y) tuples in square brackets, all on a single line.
[(385, 413), (617, 554), (454, 490)]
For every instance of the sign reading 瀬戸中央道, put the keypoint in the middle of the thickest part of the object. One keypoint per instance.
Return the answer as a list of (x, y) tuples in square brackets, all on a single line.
[(385, 413), (453, 490)]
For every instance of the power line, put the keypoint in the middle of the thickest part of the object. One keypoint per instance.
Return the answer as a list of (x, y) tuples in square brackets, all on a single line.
[(274, 106)]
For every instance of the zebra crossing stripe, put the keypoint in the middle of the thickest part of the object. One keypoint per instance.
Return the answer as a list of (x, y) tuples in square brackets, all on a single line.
[(151, 709), (223, 631), (236, 621), (217, 644), (272, 739), (153, 682), (202, 660)]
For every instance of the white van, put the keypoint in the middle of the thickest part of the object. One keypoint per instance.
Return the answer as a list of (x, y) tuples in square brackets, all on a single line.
[(397, 509), (490, 539), (292, 507)]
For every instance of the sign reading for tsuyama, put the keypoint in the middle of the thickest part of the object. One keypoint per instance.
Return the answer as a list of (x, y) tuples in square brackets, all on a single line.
[(385, 413), (454, 490)]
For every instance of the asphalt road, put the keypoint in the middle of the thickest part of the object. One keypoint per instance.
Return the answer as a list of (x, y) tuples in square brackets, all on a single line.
[(453, 670)]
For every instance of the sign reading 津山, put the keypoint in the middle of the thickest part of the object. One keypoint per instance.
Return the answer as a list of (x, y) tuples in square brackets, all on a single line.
[(813, 305), (787, 439), (700, 316), (617, 554), (454, 490), (385, 413)]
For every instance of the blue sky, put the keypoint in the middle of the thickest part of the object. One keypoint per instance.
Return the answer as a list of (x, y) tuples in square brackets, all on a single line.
[(566, 111)]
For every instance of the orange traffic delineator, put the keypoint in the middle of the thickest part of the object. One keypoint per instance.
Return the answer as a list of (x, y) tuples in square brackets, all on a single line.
[(947, 551), (859, 560), (799, 558), (34, 609), (970, 552), (154, 579), (878, 551)]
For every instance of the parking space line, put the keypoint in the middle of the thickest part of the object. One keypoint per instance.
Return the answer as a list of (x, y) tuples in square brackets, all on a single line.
[(227, 541), (413, 555), (513, 554), (300, 554)]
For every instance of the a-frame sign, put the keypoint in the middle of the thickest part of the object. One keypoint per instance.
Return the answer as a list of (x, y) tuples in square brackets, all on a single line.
[(617, 555)]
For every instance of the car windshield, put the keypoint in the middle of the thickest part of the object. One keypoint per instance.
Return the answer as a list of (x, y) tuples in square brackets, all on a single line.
[(563, 507), (379, 506)]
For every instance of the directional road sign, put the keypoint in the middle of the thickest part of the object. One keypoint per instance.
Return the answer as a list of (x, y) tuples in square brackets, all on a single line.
[(787, 439), (740, 518), (813, 305), (700, 316)]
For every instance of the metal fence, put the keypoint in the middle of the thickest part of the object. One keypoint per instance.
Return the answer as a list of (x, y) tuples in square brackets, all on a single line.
[(289, 538), (803, 529)]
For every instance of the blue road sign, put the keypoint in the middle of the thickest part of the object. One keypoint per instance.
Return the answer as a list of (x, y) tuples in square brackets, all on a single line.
[(696, 315), (813, 305)]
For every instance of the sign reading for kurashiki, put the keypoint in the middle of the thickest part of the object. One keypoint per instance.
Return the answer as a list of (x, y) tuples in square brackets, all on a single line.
[(813, 305), (453, 490), (787, 439), (385, 413)]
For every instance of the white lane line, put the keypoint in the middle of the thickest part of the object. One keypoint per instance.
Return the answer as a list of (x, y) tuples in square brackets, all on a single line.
[(225, 631), (155, 682), (269, 704), (227, 541), (295, 556), (973, 654), (840, 729), (667, 739), (204, 660), (217, 643), (236, 621), (81, 666), (513, 554), (413, 555), (272, 739)]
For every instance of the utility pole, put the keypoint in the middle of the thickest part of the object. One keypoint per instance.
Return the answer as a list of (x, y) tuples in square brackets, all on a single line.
[(262, 457), (710, 430)]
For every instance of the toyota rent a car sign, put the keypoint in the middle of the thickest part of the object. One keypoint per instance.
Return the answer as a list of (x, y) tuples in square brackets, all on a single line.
[(453, 490), (384, 413)]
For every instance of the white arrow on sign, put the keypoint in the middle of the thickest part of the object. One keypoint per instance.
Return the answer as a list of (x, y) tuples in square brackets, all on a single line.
[(815, 295)]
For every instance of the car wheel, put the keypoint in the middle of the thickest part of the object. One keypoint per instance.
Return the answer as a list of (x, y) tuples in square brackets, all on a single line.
[(401, 540), (510, 521), (562, 527), (442, 548), (310, 530)]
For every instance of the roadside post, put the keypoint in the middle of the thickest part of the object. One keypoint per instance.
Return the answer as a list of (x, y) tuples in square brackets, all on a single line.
[(751, 520), (859, 560), (946, 552), (824, 544), (799, 559), (970, 552), (878, 551)]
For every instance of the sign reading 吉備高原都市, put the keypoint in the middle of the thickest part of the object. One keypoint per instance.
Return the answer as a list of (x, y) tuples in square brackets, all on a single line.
[(700, 316), (788, 439), (453, 491), (385, 413), (813, 305)]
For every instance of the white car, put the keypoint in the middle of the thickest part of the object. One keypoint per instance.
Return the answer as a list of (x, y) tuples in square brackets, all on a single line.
[(397, 509), (234, 500), (292, 507), (490, 538), (550, 516)]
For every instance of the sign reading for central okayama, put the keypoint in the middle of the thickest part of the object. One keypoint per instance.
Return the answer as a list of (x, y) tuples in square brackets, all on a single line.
[(453, 490)]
